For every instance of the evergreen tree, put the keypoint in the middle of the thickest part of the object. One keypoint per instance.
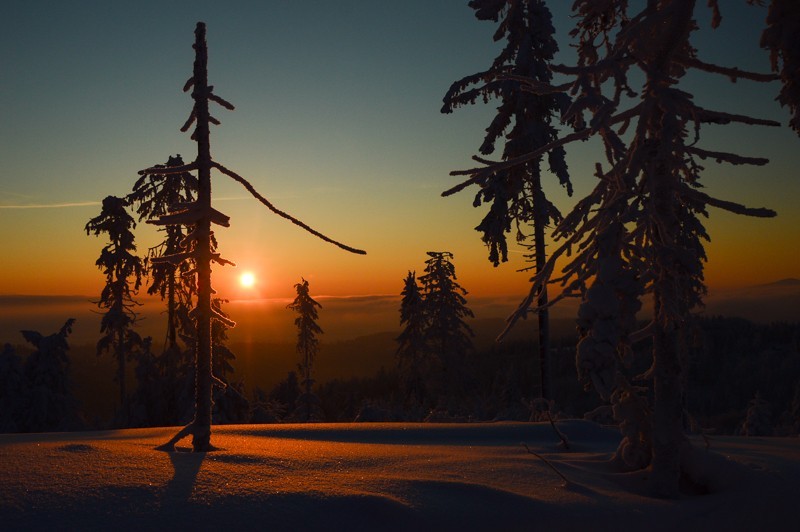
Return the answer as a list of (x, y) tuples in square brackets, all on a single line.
[(447, 334), (51, 406), (230, 403), (524, 123), (123, 271), (412, 350), (153, 195), (199, 244), (13, 391), (758, 421), (285, 394), (782, 38), (647, 206), (146, 407), (307, 344)]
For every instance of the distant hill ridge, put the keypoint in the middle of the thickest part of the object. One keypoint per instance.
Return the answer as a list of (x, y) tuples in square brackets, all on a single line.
[(789, 281)]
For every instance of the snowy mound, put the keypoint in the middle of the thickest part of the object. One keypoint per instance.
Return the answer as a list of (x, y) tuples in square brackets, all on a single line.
[(376, 477)]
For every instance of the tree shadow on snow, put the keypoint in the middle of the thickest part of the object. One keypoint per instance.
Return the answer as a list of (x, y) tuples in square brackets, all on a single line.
[(186, 466)]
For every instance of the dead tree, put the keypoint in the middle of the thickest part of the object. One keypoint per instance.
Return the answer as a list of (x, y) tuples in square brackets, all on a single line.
[(198, 243)]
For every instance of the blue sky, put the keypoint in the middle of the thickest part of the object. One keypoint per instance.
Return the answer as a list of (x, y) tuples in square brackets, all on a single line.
[(337, 122)]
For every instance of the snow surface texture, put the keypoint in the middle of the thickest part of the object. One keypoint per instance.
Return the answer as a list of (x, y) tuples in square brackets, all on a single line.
[(379, 476)]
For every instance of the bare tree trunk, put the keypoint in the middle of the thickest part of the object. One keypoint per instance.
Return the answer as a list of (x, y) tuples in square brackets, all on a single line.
[(308, 384), (540, 218), (202, 419), (172, 332), (669, 297), (668, 437), (121, 365)]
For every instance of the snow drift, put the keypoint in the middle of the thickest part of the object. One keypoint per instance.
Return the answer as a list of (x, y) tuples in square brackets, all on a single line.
[(381, 477)]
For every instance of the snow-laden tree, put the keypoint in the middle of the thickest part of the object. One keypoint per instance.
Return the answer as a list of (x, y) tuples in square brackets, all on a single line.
[(13, 391), (447, 335), (412, 348), (758, 419), (230, 404), (51, 406), (153, 195), (640, 230), (523, 123), (123, 271), (146, 406), (307, 346), (198, 246), (782, 39)]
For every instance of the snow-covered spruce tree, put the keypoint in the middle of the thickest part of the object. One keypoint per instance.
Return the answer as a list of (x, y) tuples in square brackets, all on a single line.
[(647, 202), (758, 419), (153, 195), (411, 351), (307, 347), (782, 39), (524, 122), (198, 247), (123, 271), (51, 406), (145, 406), (230, 404), (13, 391), (447, 335)]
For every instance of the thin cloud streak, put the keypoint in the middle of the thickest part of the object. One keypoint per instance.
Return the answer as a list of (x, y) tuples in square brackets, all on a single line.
[(52, 205)]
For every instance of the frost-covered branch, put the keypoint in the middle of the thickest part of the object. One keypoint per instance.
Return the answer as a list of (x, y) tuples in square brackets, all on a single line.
[(191, 215), (721, 157), (733, 73), (168, 170), (270, 206), (719, 117), (736, 208), (482, 173)]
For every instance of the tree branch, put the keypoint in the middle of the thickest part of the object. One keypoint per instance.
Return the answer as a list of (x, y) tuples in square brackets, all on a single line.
[(270, 206), (732, 73)]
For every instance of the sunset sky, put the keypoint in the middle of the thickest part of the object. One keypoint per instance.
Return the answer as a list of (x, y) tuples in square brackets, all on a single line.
[(337, 122)]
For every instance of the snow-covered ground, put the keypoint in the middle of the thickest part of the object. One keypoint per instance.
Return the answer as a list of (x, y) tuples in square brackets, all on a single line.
[(379, 477)]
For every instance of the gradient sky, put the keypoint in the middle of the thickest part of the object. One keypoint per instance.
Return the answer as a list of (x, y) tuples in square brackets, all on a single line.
[(337, 122)]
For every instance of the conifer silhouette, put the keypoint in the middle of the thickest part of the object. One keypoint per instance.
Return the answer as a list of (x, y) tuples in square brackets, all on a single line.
[(13, 391), (198, 243), (123, 271), (448, 336), (153, 194), (51, 405), (640, 230), (782, 38), (307, 343), (412, 349), (524, 121)]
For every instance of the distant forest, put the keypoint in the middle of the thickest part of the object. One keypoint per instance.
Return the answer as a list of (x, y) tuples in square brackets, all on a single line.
[(737, 371)]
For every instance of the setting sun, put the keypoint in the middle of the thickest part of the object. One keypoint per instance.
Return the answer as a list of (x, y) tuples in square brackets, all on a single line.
[(247, 280)]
